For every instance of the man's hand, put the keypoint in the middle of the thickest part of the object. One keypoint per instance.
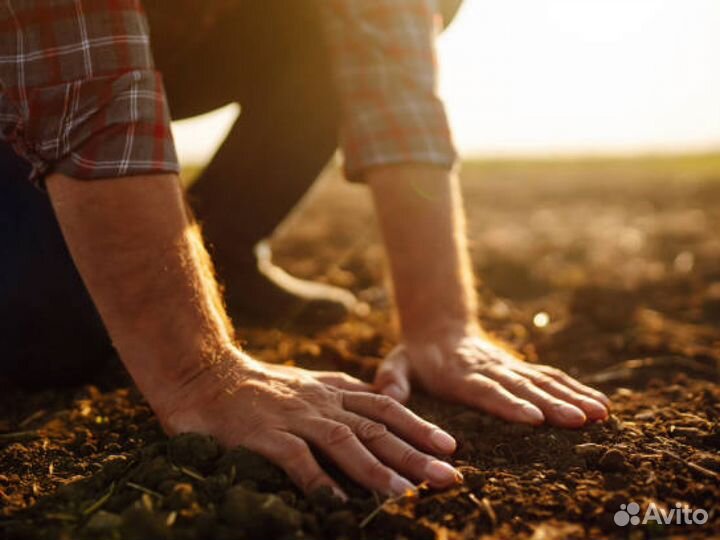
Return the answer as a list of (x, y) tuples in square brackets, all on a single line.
[(280, 411), (422, 220), (148, 273), (472, 370)]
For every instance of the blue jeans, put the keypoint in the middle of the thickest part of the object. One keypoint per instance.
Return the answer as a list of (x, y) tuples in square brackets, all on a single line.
[(50, 331)]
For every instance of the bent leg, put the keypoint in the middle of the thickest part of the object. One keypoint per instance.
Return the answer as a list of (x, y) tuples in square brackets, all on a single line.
[(270, 57)]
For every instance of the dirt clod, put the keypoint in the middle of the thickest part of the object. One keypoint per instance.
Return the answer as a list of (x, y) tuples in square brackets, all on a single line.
[(193, 450), (259, 514), (613, 461), (590, 450)]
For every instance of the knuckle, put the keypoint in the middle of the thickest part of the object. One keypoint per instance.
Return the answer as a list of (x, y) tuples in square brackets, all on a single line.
[(338, 434), (385, 404), (379, 473), (316, 393), (294, 449), (420, 428), (552, 371), (347, 378), (524, 384), (411, 458), (543, 381), (294, 404), (488, 386), (371, 431)]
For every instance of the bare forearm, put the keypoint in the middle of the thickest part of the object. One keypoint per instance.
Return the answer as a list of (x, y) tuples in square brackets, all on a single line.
[(146, 271), (145, 268), (422, 221)]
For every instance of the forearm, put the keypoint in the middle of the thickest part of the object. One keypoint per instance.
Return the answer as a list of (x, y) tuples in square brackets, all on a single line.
[(423, 225), (144, 265)]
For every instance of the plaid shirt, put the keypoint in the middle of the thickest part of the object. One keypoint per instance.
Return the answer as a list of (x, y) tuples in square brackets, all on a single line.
[(79, 94), (386, 75)]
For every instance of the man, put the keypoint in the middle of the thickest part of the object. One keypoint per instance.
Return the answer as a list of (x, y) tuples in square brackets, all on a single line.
[(83, 103)]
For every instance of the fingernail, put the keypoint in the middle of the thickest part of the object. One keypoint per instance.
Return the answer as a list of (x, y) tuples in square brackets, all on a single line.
[(400, 486), (339, 493), (603, 399), (595, 410), (533, 414), (573, 415), (443, 442), (394, 391), (440, 472)]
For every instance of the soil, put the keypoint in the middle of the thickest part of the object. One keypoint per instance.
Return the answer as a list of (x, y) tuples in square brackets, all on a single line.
[(609, 270)]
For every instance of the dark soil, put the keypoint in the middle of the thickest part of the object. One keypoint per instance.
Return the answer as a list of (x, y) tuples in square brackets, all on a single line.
[(623, 258)]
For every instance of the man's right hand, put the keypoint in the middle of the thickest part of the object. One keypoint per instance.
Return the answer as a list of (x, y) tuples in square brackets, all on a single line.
[(280, 411), (150, 278)]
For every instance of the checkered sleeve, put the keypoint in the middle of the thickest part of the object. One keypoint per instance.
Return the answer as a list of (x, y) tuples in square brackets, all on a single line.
[(79, 94), (386, 73)]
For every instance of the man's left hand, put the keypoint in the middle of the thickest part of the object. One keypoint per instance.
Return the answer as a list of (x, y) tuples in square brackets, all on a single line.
[(471, 369)]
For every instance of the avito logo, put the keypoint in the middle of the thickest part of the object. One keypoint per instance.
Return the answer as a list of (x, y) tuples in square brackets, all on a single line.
[(629, 514)]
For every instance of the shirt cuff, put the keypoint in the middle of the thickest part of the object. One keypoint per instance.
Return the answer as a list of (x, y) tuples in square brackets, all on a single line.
[(403, 132), (104, 127), (385, 64)]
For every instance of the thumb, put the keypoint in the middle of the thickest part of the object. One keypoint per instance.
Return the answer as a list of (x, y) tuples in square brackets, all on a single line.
[(392, 377)]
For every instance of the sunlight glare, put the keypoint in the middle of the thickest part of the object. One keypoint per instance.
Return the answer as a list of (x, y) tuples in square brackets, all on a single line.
[(538, 77)]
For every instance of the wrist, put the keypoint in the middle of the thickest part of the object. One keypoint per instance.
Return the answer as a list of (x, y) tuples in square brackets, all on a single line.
[(162, 369), (440, 327), (214, 372)]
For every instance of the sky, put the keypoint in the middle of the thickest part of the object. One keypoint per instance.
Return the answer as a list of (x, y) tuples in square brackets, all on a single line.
[(564, 77)]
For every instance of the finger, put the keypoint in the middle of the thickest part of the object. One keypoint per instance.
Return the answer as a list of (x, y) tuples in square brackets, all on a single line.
[(575, 384), (398, 454), (492, 397), (342, 381), (392, 377), (591, 407), (340, 444), (556, 411), (293, 455), (400, 420)]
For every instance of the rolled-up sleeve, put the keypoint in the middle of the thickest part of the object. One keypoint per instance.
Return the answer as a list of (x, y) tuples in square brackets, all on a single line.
[(385, 70), (80, 95)]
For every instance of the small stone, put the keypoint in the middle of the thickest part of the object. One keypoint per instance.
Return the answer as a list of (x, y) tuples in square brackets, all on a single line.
[(193, 450), (687, 432), (613, 461), (216, 485), (591, 450), (259, 514), (151, 474), (644, 415), (182, 496)]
